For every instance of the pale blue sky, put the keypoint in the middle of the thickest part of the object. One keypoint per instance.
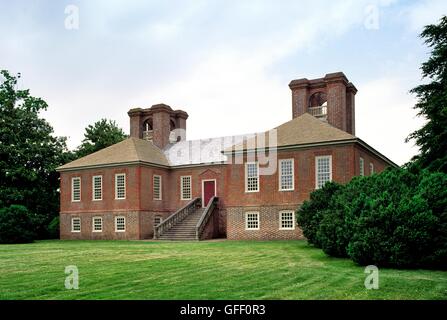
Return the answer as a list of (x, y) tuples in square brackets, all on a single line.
[(227, 63)]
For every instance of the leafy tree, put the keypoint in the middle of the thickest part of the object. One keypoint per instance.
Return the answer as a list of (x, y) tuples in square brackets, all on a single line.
[(29, 154), (432, 101), (100, 135), (16, 225)]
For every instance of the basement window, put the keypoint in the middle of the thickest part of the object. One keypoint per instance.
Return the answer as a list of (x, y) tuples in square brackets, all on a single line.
[(75, 224), (252, 221), (120, 224), (97, 224), (287, 220), (157, 220)]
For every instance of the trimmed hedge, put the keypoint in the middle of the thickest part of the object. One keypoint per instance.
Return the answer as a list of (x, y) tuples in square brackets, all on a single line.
[(396, 218)]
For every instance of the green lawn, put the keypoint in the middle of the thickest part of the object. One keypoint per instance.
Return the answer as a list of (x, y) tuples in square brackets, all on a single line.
[(204, 270)]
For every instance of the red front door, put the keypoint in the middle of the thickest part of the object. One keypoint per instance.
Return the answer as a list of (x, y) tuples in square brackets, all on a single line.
[(209, 191)]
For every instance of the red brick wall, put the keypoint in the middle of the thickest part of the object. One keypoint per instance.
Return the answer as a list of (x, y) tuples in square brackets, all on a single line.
[(108, 202), (368, 157), (269, 224), (141, 208), (304, 169)]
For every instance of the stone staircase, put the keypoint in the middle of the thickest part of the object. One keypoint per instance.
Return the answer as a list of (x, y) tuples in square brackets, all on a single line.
[(185, 229)]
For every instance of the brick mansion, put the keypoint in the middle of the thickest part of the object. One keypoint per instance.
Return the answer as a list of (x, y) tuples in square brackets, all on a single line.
[(158, 185)]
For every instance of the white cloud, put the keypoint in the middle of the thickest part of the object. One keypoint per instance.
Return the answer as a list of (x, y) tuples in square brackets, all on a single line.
[(215, 60), (232, 90)]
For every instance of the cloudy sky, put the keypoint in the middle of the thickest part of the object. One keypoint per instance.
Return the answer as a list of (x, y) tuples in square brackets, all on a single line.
[(227, 63)]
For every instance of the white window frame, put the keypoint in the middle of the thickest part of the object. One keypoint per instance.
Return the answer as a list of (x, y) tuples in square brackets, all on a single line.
[(181, 188), (116, 186), (246, 220), (246, 176), (281, 174), (116, 223), (72, 189), (93, 224), (93, 188), (160, 184), (72, 224), (161, 220), (362, 166), (371, 168), (281, 219), (316, 169)]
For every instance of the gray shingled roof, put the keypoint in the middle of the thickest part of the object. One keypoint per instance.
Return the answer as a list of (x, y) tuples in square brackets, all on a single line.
[(127, 151), (305, 129)]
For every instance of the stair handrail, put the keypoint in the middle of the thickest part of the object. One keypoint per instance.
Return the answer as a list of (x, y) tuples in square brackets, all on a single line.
[(176, 217), (205, 216)]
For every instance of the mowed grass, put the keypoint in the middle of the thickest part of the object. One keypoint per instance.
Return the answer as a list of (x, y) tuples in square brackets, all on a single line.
[(199, 270)]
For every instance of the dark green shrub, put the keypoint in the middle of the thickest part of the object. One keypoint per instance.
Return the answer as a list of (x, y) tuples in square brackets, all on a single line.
[(396, 218), (409, 231), (16, 225), (311, 212), (342, 209), (53, 228)]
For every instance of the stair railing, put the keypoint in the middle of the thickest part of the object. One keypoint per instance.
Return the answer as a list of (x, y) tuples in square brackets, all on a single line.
[(200, 227), (176, 217)]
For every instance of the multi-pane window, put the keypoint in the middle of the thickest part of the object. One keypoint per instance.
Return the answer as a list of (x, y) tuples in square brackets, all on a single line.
[(157, 187), (97, 224), (287, 220), (75, 224), (185, 187), (371, 168), (286, 179), (120, 224), (157, 220), (97, 187), (251, 177), (252, 220), (323, 170), (362, 167), (120, 186), (76, 189)]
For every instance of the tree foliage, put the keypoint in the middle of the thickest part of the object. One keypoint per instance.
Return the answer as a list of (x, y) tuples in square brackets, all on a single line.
[(16, 225), (432, 101), (100, 135), (29, 153)]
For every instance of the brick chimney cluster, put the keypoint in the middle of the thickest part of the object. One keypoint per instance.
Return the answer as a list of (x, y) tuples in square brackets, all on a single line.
[(159, 124), (332, 97)]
